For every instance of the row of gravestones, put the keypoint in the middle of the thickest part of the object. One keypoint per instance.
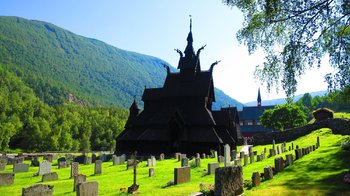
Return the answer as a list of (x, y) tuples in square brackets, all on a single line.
[(280, 164), (81, 188)]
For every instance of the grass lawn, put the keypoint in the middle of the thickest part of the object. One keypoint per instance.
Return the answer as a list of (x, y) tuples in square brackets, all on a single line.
[(319, 173)]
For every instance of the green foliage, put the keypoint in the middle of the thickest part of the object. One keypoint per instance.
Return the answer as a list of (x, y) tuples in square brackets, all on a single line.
[(345, 145), (28, 123), (295, 35), (283, 117), (56, 63)]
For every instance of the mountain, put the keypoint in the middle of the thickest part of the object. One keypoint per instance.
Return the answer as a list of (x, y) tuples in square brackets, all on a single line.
[(283, 100), (61, 66)]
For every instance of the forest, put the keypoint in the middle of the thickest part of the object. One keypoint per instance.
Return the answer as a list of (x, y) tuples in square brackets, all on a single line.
[(26, 122)]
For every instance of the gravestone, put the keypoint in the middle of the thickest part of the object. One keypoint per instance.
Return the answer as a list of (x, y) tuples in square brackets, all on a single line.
[(38, 189), (161, 157), (238, 162), (133, 189), (35, 162), (256, 179), (227, 155), (204, 156), (233, 155), (197, 162), (265, 150), (154, 161), (241, 155), (289, 159), (216, 154), (87, 188), (273, 144), (2, 166), (114, 159), (177, 156), (150, 172), (184, 162), (313, 147), (74, 169), (229, 181), (245, 160), (20, 167), (79, 178), (289, 148), (93, 157), (318, 142), (7, 178), (212, 167), (80, 159), (221, 159), (98, 167), (3, 159), (87, 160), (62, 164), (268, 173), (48, 157), (61, 159), (250, 149), (279, 149), (292, 146), (44, 167), (251, 156), (258, 158), (272, 152), (198, 155), (49, 177), (279, 164), (298, 153), (182, 175)]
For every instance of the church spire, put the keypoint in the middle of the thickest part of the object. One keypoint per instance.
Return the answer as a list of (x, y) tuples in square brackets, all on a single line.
[(189, 51), (259, 98)]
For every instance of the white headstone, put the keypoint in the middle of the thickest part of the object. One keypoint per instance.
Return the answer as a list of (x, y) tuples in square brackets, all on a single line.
[(227, 155), (44, 167)]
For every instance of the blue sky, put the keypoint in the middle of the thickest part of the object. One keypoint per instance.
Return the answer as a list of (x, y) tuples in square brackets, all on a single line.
[(156, 27)]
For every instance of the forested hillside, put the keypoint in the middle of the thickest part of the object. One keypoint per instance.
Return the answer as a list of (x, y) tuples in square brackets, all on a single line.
[(28, 123), (60, 65)]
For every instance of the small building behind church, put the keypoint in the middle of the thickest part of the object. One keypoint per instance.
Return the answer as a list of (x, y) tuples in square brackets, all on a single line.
[(249, 119), (178, 117)]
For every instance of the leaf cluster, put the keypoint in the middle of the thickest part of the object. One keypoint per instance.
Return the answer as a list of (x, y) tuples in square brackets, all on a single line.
[(295, 35)]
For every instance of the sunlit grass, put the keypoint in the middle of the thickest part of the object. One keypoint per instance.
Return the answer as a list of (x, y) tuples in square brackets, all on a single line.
[(318, 173)]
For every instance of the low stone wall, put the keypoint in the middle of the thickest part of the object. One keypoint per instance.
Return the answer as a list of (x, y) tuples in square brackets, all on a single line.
[(338, 126)]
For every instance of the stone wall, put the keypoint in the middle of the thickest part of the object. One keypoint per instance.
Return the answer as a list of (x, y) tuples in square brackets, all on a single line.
[(338, 126)]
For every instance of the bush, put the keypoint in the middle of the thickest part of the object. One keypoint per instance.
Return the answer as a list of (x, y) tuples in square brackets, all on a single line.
[(207, 189)]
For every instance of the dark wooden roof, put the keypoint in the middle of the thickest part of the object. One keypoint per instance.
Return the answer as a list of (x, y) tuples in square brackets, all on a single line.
[(253, 112)]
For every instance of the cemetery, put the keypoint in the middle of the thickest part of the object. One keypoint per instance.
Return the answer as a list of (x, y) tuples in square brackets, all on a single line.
[(302, 166)]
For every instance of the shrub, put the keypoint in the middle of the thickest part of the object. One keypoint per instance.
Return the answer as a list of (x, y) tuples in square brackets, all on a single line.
[(345, 145)]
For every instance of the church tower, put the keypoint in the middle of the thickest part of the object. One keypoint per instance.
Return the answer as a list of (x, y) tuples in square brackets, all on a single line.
[(259, 98)]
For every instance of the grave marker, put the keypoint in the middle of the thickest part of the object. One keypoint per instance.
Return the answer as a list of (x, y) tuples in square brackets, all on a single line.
[(79, 178), (20, 167), (49, 177), (74, 169), (44, 167), (98, 167), (7, 178), (227, 155), (279, 164), (229, 181), (150, 172), (268, 173), (182, 175), (256, 179), (87, 188), (38, 189), (212, 167)]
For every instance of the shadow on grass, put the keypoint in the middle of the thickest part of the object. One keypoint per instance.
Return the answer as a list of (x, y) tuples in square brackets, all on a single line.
[(324, 172)]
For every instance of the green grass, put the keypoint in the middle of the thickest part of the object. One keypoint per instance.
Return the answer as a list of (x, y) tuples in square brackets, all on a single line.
[(319, 173)]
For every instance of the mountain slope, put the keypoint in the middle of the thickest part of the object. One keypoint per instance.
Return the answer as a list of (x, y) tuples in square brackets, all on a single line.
[(69, 64)]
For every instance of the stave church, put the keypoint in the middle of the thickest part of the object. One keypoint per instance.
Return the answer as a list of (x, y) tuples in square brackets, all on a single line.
[(178, 116)]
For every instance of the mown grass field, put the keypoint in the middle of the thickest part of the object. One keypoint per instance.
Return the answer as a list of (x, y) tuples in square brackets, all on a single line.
[(319, 173)]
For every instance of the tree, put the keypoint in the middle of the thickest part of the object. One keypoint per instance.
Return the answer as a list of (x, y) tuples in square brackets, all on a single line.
[(295, 35), (283, 117)]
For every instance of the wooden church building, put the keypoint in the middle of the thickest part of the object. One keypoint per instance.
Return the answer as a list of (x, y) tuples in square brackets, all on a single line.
[(178, 117)]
